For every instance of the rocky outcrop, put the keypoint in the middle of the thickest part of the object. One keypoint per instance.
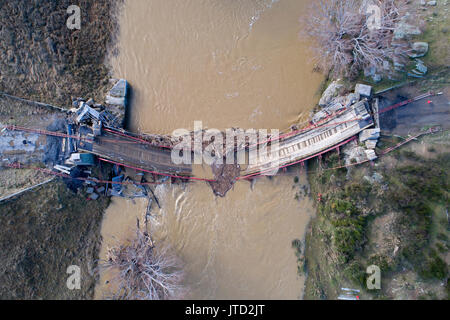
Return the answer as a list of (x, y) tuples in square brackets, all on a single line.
[(331, 92)]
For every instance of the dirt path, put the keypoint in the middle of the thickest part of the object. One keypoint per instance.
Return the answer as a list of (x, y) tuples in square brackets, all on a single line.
[(411, 118)]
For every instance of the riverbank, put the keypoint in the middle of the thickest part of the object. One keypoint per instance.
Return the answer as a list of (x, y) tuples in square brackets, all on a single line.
[(392, 214), (46, 230)]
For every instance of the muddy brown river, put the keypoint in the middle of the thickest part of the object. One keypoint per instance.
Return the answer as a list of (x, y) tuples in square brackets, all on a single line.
[(228, 64)]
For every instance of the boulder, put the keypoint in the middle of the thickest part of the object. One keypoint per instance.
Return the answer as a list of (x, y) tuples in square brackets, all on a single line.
[(363, 90), (353, 153), (421, 67), (371, 155), (377, 77), (371, 144), (331, 92), (420, 70), (352, 98), (369, 134), (419, 49), (375, 178), (405, 29)]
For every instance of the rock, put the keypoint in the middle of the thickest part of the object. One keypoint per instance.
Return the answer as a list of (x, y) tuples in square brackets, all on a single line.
[(352, 98), (369, 134), (421, 67), (353, 152), (331, 92), (375, 178), (395, 250), (371, 155), (94, 196), (376, 78), (363, 90), (378, 178), (371, 144), (369, 71), (404, 29), (419, 49)]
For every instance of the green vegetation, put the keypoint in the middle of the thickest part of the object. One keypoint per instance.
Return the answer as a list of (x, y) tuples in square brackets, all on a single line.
[(398, 224)]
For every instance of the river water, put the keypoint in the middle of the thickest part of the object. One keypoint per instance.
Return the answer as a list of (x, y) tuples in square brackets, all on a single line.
[(228, 64)]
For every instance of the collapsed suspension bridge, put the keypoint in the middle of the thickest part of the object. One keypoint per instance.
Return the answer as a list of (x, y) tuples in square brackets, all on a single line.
[(126, 149)]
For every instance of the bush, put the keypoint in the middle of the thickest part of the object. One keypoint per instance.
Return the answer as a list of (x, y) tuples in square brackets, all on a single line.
[(355, 273), (434, 268), (349, 235)]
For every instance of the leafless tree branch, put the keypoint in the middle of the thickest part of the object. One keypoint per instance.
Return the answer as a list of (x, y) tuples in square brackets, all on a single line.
[(344, 42), (143, 272)]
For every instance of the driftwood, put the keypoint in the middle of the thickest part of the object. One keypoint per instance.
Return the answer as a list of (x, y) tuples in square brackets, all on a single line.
[(154, 196), (144, 272)]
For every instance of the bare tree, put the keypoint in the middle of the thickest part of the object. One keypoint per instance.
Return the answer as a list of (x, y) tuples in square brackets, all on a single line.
[(143, 272), (345, 40)]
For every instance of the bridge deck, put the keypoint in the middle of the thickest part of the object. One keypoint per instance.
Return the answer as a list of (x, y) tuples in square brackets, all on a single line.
[(301, 146), (309, 143), (138, 155)]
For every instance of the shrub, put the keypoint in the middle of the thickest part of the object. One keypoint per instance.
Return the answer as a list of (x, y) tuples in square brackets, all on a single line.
[(434, 267)]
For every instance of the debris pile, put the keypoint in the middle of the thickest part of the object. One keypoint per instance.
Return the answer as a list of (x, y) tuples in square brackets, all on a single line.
[(354, 151), (225, 177)]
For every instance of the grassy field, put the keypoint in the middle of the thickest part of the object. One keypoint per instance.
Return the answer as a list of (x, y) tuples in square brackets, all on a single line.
[(44, 232), (43, 60), (50, 228)]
